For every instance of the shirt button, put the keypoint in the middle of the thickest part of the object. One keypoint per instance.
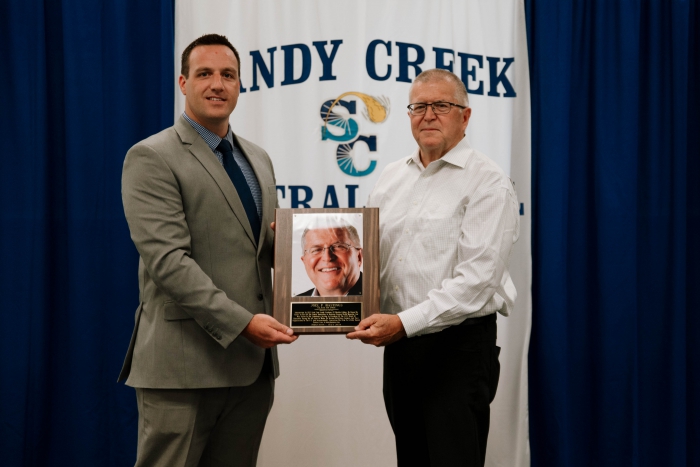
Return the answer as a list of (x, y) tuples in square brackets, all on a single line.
[(396, 288), (260, 296)]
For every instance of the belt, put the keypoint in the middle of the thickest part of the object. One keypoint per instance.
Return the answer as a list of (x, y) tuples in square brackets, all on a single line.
[(480, 320)]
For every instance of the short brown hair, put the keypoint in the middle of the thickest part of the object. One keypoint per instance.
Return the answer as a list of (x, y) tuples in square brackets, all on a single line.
[(207, 39), (438, 73)]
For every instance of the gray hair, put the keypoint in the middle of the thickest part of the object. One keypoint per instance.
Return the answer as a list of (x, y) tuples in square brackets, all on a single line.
[(349, 229), (436, 74)]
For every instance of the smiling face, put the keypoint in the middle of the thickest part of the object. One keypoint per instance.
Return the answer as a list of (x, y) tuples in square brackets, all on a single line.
[(333, 273), (437, 134), (211, 90)]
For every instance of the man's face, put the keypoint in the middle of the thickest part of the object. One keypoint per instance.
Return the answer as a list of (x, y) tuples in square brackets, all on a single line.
[(211, 90), (333, 273), (437, 134)]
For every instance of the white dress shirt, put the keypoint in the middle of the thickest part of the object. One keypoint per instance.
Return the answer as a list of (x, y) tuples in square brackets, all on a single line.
[(446, 233)]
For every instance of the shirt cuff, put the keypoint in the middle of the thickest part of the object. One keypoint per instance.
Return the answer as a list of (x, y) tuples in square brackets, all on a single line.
[(413, 320)]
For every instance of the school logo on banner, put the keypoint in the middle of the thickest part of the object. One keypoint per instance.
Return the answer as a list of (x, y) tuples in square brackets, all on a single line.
[(346, 130)]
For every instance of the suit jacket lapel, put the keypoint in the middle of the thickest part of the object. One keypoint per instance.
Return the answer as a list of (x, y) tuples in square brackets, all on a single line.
[(201, 150)]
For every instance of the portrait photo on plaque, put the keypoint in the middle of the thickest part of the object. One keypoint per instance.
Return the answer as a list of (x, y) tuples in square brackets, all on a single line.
[(326, 275), (327, 255)]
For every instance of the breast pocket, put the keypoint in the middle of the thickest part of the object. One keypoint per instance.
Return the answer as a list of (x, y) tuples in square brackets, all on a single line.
[(441, 211), (439, 236)]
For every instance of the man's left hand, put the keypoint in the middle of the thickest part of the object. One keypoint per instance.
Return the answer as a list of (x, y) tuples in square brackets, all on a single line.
[(379, 330)]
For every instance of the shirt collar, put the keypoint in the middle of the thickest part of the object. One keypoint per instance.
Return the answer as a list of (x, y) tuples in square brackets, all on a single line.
[(212, 139), (457, 156), (316, 294)]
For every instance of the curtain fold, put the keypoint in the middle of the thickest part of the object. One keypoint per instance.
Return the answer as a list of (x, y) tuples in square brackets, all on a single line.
[(693, 246), (613, 368), (82, 81)]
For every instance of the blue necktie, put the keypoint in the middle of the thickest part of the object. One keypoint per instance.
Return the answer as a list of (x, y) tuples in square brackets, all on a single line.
[(241, 185)]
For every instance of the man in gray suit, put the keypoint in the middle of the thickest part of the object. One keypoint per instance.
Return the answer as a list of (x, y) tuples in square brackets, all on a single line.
[(199, 202)]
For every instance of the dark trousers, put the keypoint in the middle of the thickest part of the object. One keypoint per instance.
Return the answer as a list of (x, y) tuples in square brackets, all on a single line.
[(437, 391)]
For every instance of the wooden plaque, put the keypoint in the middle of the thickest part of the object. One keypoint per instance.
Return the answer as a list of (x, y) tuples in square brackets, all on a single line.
[(316, 286)]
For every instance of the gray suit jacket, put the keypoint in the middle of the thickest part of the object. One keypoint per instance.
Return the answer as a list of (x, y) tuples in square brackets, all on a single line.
[(202, 273)]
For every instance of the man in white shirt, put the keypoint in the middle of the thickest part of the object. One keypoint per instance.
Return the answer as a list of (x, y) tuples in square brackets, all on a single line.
[(448, 221)]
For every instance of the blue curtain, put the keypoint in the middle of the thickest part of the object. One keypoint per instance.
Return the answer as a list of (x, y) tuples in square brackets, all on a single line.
[(614, 360), (81, 81)]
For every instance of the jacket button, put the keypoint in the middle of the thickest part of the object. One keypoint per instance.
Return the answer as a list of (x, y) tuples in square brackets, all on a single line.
[(260, 296)]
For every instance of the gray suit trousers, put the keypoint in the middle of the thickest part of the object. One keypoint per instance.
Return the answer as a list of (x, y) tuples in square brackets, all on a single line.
[(212, 427)]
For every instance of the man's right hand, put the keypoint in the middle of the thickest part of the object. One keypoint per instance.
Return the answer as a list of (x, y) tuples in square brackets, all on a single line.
[(265, 331)]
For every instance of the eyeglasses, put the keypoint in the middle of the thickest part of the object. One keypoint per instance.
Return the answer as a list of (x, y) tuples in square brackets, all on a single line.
[(439, 108), (336, 248)]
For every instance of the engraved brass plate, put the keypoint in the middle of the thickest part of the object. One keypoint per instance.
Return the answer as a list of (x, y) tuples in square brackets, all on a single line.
[(313, 314)]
